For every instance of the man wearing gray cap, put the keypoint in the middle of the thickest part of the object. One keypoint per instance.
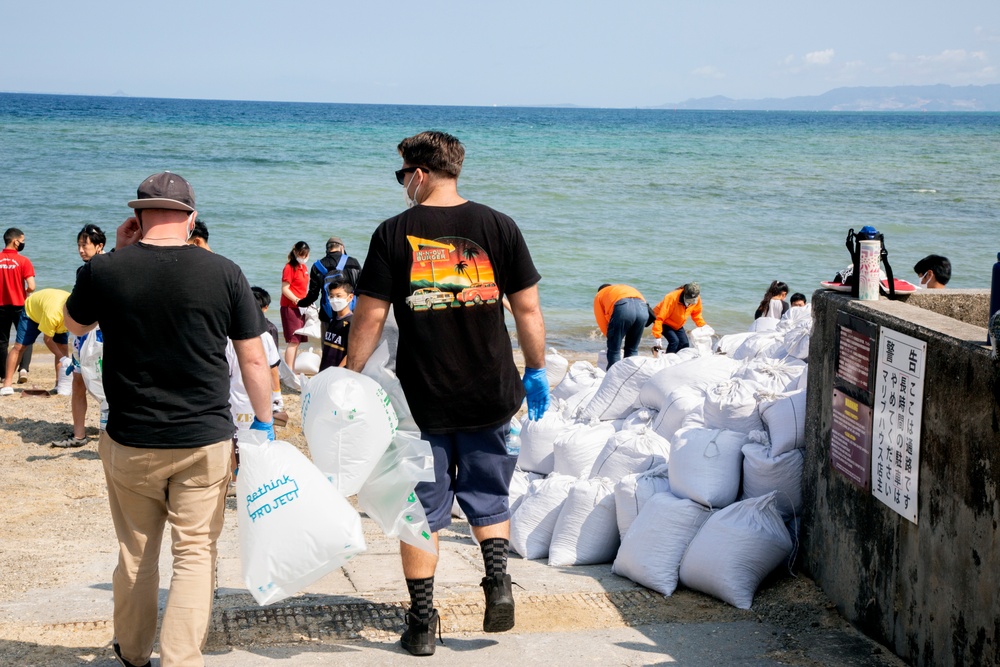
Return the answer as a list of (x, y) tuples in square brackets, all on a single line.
[(336, 265), (672, 313), (165, 309)]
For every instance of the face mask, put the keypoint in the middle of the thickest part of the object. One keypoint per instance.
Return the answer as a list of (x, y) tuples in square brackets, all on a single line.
[(20, 246), (411, 202), (924, 279), (338, 304)]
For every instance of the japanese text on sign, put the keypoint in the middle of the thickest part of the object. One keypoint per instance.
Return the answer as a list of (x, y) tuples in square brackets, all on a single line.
[(899, 388)]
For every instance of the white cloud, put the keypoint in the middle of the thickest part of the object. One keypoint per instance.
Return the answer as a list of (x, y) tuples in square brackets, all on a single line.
[(824, 57), (952, 66), (709, 72)]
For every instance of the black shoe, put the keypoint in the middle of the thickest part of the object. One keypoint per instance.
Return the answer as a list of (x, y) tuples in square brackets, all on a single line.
[(499, 603), (125, 663), (418, 638)]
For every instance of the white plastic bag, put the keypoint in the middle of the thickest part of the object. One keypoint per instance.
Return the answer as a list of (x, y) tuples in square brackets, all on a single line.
[(701, 339), (733, 405), (64, 378), (736, 548), (785, 420), (387, 495), (555, 366), (630, 452), (288, 376), (633, 491), (586, 531), (91, 358), (532, 524), (294, 526), (652, 549), (581, 375), (576, 448), (537, 439), (307, 362), (377, 368), (763, 474), (348, 421), (706, 464), (312, 327)]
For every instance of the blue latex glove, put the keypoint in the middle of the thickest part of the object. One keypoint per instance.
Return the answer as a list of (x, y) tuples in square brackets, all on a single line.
[(266, 427), (536, 385)]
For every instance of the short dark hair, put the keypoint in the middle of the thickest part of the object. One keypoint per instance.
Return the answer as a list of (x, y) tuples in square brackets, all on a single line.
[(11, 234), (936, 263), (435, 151), (798, 296), (603, 286), (340, 283), (93, 234), (263, 298), (200, 230)]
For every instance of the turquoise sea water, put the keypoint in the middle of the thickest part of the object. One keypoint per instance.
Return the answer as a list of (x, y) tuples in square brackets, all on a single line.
[(653, 198)]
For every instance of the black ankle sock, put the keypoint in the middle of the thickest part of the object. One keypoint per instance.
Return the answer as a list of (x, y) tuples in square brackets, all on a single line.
[(495, 555), (421, 597)]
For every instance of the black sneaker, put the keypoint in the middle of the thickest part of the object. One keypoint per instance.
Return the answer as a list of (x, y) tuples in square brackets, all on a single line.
[(499, 603), (418, 638), (125, 663)]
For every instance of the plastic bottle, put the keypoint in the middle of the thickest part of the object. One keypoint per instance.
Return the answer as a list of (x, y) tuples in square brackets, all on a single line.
[(104, 415), (994, 295), (514, 438)]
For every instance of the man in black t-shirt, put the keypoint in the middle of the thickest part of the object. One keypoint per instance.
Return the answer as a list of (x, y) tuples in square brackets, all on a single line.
[(444, 266), (165, 309)]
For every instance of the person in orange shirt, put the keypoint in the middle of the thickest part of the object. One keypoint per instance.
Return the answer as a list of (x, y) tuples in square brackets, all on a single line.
[(672, 313), (621, 314)]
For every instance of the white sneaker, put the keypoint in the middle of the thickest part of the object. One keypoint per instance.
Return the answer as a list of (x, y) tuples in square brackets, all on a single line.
[(6, 391), (22, 376)]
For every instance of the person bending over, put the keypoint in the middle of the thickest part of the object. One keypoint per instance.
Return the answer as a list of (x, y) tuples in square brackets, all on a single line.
[(672, 313), (621, 313), (43, 313)]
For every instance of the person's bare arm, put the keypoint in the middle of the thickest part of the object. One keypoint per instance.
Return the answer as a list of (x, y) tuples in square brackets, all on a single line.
[(256, 375), (530, 326), (366, 329), (286, 291), (75, 327)]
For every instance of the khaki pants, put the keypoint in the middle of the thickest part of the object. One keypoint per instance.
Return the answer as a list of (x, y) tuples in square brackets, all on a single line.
[(147, 487)]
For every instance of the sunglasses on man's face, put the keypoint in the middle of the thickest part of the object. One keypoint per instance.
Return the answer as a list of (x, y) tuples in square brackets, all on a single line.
[(401, 173)]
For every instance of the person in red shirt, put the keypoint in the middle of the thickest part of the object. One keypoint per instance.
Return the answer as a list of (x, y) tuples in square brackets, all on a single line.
[(17, 281), (294, 286)]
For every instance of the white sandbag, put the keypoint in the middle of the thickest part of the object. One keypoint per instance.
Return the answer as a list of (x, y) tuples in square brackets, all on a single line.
[(288, 376), (736, 548), (803, 382), (294, 526), (576, 448), (763, 474), (555, 366), (800, 316), (629, 452), (785, 421), (729, 344), (537, 439), (689, 353), (775, 375), (519, 484), (796, 343), (633, 491), (764, 324), (618, 394), (757, 345), (532, 524), (700, 339), (586, 531), (312, 326), (575, 404), (639, 417), (701, 372), (387, 495), (307, 362), (733, 405), (706, 464), (580, 375), (680, 405), (91, 358), (348, 421), (602, 360), (652, 549)]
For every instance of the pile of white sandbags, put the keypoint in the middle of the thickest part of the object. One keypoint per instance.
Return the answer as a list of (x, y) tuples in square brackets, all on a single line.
[(685, 468)]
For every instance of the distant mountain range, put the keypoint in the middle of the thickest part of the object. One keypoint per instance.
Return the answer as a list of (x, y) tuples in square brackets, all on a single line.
[(869, 98)]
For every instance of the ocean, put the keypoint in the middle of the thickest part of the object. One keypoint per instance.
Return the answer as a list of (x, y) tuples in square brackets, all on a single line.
[(653, 198)]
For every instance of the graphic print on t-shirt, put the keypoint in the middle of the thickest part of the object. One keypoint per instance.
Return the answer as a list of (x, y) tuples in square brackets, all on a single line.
[(449, 272)]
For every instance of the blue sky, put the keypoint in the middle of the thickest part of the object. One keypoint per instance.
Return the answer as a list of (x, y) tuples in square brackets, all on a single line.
[(616, 54)]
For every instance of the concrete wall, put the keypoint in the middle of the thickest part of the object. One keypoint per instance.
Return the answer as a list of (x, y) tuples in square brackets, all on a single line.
[(971, 306), (928, 591)]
